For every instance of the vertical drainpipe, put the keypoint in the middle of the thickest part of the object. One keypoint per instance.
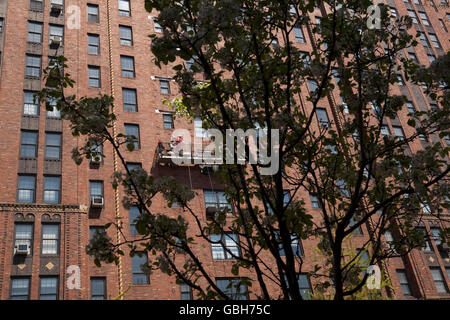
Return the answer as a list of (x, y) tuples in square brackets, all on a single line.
[(116, 190)]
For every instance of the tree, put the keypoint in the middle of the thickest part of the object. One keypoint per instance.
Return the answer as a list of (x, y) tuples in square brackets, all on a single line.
[(234, 75)]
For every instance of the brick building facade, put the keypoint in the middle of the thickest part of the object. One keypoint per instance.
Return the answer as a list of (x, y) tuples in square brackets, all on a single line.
[(45, 198)]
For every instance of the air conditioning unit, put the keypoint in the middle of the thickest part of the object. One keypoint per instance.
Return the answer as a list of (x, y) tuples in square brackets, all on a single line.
[(97, 202), (96, 160), (211, 213), (55, 40), (22, 249), (56, 8)]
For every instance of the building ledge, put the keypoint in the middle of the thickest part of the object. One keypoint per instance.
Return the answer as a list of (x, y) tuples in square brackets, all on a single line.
[(19, 207)]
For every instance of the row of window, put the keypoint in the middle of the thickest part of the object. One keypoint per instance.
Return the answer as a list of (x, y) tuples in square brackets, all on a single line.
[(29, 143), (26, 189), (436, 274), (35, 30), (23, 235)]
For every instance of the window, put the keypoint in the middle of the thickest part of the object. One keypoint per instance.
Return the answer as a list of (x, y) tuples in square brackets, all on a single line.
[(134, 214), (434, 40), (124, 8), (438, 279), (233, 288), (127, 66), (274, 42), (385, 131), (157, 26), (424, 40), (297, 248), (216, 199), (33, 66), (168, 121), (357, 231), (424, 18), (133, 130), (436, 234), (398, 131), (413, 57), (314, 201), (413, 16), (52, 187), (26, 188), (322, 117), (434, 107), (56, 32), (389, 240), (98, 288), (404, 283), (134, 166), (423, 137), (34, 32), (23, 234), (93, 43), (199, 131), (185, 292), (30, 106), (219, 244), (55, 113), (129, 100), (312, 84), (431, 58), (36, 5), (48, 288), (28, 144), (306, 58), (441, 22), (20, 288), (400, 80), (93, 230), (393, 12), (299, 37), (96, 188), (427, 245), (92, 10), (126, 36), (305, 286), (410, 107), (164, 86), (336, 76), (50, 239), (139, 277), (94, 76), (53, 145)]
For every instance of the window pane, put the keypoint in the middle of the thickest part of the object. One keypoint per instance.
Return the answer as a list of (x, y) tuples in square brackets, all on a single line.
[(20, 288), (134, 214), (49, 288), (93, 43), (129, 100), (139, 277), (98, 288), (96, 188), (133, 130)]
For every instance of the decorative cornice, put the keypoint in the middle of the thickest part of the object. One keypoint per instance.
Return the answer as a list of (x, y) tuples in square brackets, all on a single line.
[(51, 208)]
